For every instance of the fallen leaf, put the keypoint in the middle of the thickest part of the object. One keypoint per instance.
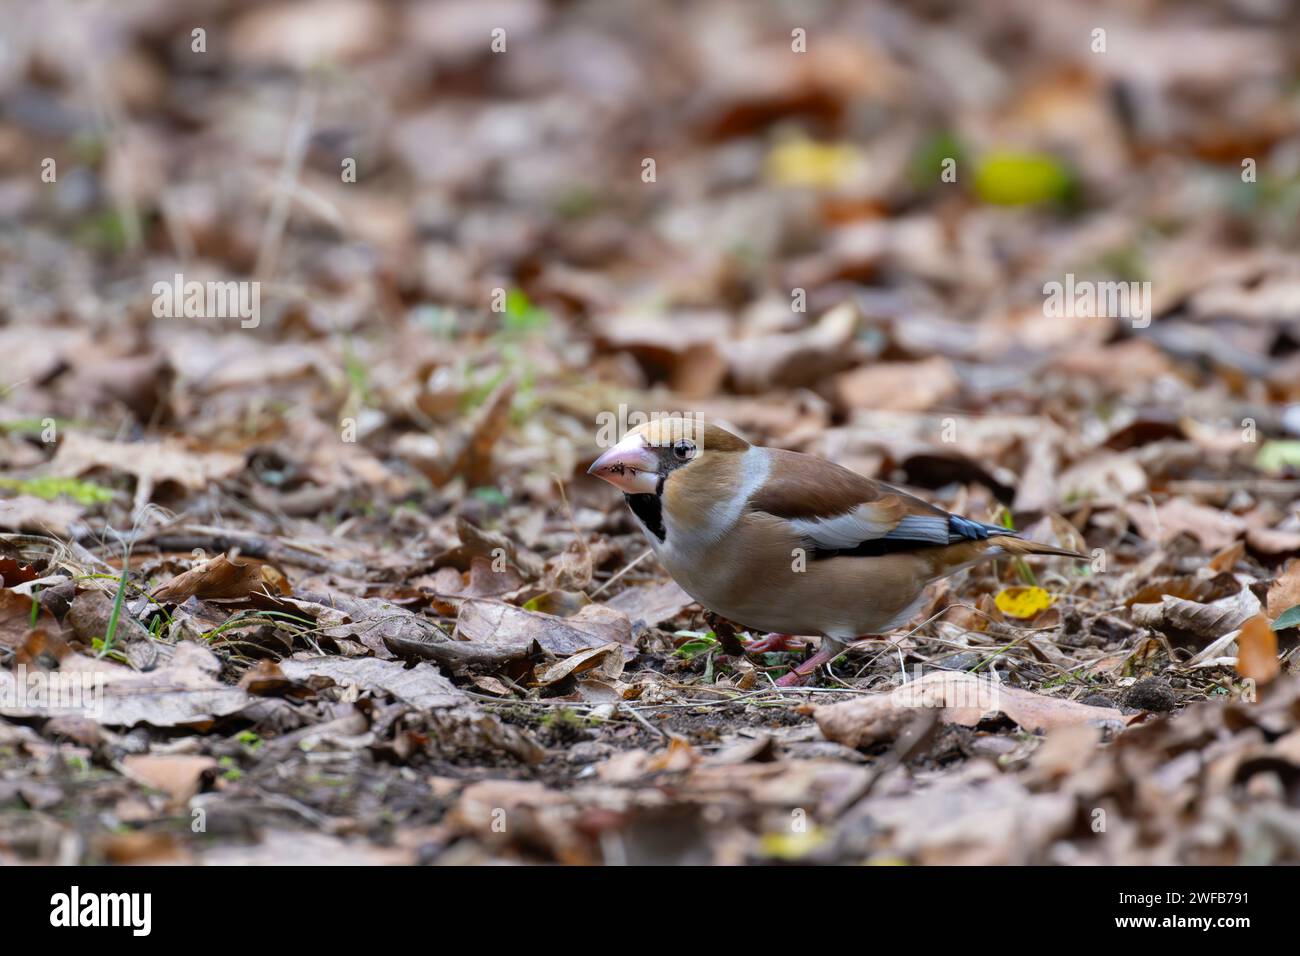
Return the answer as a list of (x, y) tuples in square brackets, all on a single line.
[(651, 604), (1273, 542), (795, 359), (265, 678), (151, 463), (372, 621), (1284, 593), (1215, 529), (964, 699), (421, 686), (1022, 602), (183, 692), (570, 570), (222, 577), (1009, 178), (604, 662), (29, 513), (1202, 621), (1257, 651), (179, 776), (491, 622), (898, 386), (14, 573), (797, 161)]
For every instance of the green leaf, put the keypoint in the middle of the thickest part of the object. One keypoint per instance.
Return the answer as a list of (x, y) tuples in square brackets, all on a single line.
[(1008, 178), (699, 644), (49, 488), (521, 315), (1277, 456), (1288, 618)]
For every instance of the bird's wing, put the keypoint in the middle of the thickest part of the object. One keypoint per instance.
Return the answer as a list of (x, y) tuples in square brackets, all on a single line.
[(837, 510)]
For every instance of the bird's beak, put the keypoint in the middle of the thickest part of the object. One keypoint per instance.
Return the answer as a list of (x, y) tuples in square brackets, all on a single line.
[(630, 466)]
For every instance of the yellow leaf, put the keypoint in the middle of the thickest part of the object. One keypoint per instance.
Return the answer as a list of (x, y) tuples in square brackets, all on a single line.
[(793, 845), (802, 162), (1022, 602), (1009, 178)]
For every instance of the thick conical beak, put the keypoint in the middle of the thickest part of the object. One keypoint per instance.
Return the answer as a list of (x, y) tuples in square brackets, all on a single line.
[(629, 466)]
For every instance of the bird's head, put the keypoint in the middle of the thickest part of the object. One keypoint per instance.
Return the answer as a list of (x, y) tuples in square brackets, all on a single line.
[(650, 454)]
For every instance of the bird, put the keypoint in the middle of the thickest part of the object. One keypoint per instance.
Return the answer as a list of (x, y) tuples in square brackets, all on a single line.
[(791, 544)]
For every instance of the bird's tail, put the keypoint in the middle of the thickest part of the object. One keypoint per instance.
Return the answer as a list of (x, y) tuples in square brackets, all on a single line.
[(1012, 544), (1000, 543)]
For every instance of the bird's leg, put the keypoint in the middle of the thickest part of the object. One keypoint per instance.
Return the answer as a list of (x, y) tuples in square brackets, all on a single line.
[(769, 644), (825, 654)]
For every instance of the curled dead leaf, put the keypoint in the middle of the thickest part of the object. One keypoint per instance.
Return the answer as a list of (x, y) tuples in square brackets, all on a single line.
[(604, 662), (223, 577), (1257, 651)]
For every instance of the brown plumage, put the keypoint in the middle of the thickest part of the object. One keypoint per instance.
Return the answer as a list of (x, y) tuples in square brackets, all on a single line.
[(789, 543)]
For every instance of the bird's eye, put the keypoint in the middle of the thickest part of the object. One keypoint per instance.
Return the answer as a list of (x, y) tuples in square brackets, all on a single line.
[(683, 450)]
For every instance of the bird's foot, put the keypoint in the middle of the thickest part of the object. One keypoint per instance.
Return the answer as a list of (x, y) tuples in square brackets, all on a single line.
[(770, 644), (799, 675)]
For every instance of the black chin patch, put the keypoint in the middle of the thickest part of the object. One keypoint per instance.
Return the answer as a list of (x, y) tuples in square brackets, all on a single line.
[(650, 510)]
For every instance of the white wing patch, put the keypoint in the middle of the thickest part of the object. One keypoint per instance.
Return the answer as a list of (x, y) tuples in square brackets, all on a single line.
[(862, 524), (844, 531)]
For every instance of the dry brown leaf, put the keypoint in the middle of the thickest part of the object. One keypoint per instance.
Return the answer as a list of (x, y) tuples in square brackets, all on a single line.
[(222, 577), (1284, 593), (90, 615), (1215, 529), (29, 513), (1227, 559), (151, 463), (1203, 621), (964, 699), (179, 776), (899, 386), (421, 686), (265, 679), (15, 618), (14, 572), (183, 692), (1257, 651), (1102, 476), (593, 626), (570, 570), (795, 359), (604, 662), (651, 604), (372, 621), (1274, 542)]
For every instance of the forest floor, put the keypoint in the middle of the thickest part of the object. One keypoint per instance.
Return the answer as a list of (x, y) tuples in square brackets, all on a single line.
[(328, 565)]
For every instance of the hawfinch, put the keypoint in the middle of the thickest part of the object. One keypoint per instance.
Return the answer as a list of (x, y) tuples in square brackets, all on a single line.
[(787, 543)]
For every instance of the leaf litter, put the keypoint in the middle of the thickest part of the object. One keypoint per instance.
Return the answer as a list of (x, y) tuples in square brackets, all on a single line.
[(338, 578)]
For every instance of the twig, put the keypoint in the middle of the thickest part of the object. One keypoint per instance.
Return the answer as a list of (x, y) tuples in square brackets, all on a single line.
[(635, 561), (649, 726)]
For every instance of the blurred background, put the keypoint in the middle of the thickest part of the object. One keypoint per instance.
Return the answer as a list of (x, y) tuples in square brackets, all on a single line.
[(477, 225), (224, 153)]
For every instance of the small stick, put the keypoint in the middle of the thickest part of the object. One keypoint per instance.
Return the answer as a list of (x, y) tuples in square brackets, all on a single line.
[(635, 561)]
